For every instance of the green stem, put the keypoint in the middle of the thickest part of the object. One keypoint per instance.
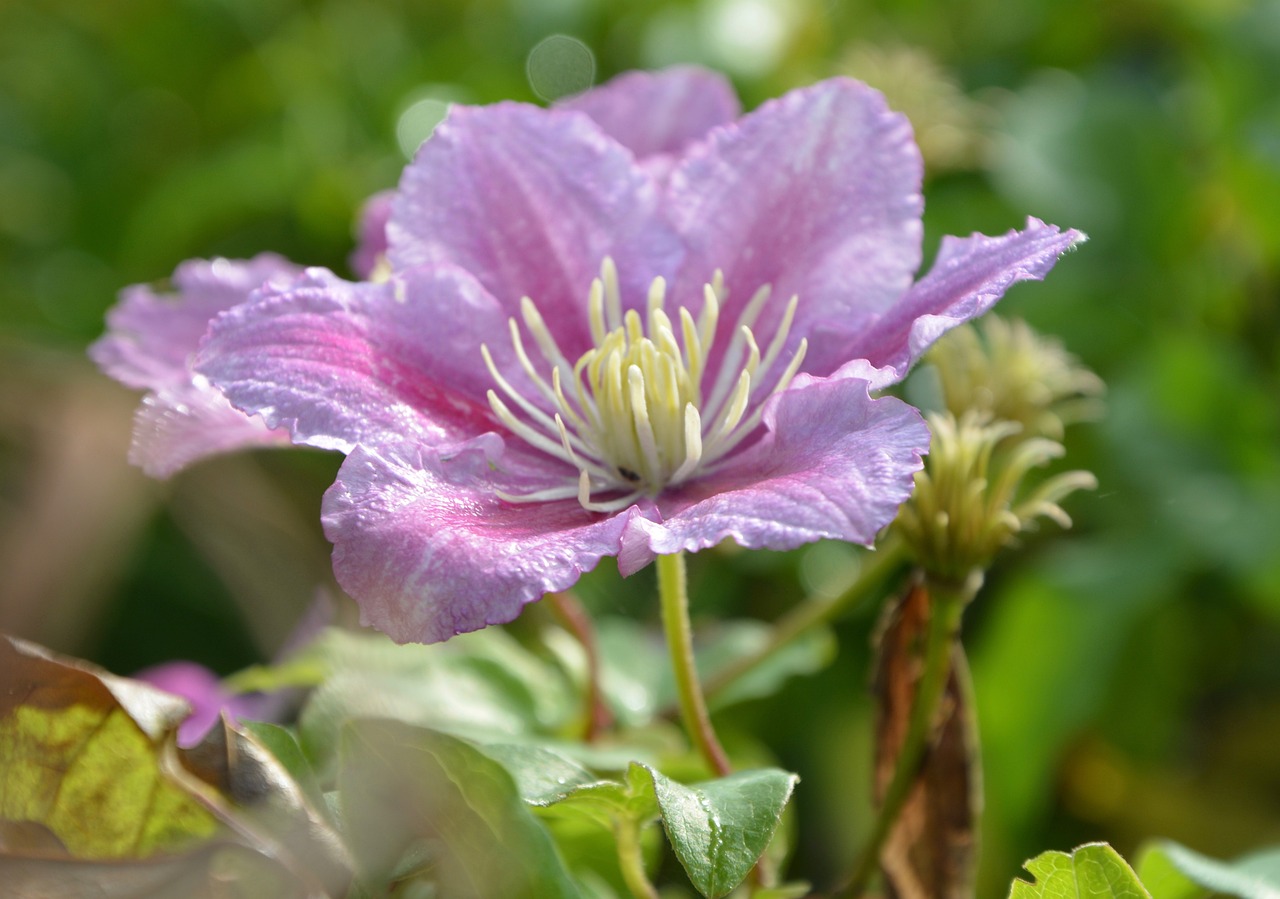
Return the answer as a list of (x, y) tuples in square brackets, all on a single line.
[(815, 611), (631, 859), (673, 592), (947, 602)]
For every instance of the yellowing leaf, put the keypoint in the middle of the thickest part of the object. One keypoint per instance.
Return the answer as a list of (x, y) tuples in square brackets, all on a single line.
[(81, 755)]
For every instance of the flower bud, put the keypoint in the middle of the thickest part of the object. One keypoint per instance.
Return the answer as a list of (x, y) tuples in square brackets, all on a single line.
[(969, 500), (1005, 369)]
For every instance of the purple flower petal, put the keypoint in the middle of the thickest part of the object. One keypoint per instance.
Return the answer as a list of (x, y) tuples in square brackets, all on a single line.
[(816, 193), (429, 552), (833, 463), (339, 363), (371, 234), (530, 201), (150, 340), (151, 335), (968, 277), (176, 426), (659, 113)]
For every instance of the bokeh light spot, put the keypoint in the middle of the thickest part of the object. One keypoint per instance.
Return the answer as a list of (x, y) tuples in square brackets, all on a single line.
[(417, 123), (559, 66)]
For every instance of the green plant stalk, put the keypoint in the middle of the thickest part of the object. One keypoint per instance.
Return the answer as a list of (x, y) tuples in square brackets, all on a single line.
[(815, 611), (948, 601), (631, 859), (673, 593)]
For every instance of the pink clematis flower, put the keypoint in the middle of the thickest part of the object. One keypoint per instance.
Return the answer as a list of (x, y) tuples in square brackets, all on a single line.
[(632, 325)]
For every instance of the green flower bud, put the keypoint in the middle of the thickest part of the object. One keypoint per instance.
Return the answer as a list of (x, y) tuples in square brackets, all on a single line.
[(1009, 372), (969, 500)]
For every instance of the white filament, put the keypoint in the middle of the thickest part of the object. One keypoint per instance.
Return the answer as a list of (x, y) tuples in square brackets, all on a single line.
[(630, 415)]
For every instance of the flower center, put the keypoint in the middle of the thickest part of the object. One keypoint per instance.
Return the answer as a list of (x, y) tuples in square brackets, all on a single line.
[(631, 414)]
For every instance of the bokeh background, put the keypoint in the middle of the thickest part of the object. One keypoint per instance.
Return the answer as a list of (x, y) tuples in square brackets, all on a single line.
[(1127, 674)]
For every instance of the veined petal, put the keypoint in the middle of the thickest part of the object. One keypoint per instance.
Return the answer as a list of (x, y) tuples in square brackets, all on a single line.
[(339, 363), (530, 201), (429, 551), (833, 463), (659, 113), (177, 426), (151, 334), (968, 277), (816, 193)]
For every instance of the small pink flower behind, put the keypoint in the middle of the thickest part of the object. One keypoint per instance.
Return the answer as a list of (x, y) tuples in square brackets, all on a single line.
[(610, 330), (202, 688)]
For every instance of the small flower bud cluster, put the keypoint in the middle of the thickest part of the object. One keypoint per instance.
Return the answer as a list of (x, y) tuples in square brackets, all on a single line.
[(1008, 392), (1005, 369)]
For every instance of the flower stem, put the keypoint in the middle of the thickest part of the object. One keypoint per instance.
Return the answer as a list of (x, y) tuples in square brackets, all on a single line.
[(673, 591), (947, 602), (576, 620), (631, 859), (815, 611)]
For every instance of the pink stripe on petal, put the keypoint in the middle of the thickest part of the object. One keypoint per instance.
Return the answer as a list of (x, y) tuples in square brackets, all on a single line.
[(341, 363)]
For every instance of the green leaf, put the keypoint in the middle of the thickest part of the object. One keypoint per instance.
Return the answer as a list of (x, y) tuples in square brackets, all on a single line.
[(481, 686), (720, 828), (542, 775), (423, 807), (1172, 871), (256, 794), (1094, 870), (807, 654), (636, 676)]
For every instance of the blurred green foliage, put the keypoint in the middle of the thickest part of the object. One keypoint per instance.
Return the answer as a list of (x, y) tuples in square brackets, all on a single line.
[(1128, 676)]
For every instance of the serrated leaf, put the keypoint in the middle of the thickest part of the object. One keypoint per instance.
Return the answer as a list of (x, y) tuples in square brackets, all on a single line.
[(720, 828), (421, 806), (1094, 870), (1172, 871)]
